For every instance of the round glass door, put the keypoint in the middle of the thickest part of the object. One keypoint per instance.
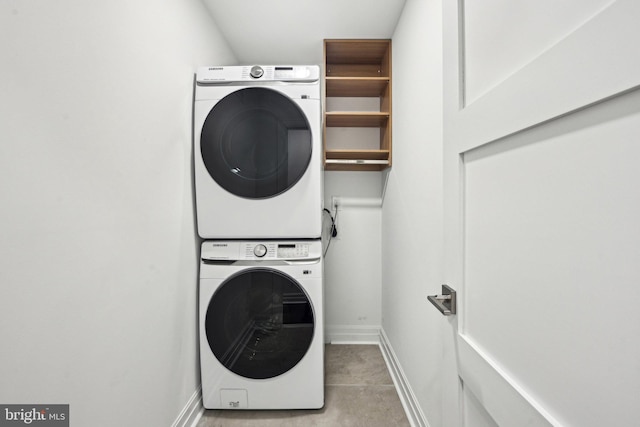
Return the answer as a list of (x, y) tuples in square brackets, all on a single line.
[(256, 143), (259, 323)]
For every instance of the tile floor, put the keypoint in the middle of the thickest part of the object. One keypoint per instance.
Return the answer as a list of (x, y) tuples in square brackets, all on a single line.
[(359, 392)]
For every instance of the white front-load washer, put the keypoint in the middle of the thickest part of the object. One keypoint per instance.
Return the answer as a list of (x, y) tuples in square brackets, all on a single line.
[(257, 152), (261, 325)]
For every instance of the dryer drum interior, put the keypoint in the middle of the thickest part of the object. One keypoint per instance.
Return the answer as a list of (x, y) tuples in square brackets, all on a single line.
[(256, 143), (259, 323)]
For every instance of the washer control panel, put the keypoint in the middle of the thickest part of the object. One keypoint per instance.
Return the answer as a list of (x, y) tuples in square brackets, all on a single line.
[(263, 250)]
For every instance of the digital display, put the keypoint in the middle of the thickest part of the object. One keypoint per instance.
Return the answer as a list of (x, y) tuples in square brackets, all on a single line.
[(287, 246), (284, 73)]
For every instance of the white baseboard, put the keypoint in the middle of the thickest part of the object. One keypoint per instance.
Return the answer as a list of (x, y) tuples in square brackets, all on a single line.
[(408, 399), (192, 411), (352, 334)]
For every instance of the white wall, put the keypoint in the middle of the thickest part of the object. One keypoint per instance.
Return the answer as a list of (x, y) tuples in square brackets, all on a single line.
[(412, 241), (98, 262), (352, 267)]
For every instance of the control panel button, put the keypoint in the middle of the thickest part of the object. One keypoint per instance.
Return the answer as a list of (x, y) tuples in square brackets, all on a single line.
[(256, 71), (260, 250)]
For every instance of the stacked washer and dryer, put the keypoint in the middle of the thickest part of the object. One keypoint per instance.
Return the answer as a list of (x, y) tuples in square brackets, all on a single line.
[(258, 181)]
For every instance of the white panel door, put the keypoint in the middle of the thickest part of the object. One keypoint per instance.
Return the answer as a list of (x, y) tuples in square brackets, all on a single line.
[(542, 205)]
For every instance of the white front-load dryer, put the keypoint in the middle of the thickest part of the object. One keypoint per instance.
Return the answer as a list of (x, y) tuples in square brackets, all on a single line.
[(261, 325), (257, 152)]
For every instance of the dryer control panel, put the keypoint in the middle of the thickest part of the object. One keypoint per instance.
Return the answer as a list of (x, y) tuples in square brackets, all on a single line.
[(257, 73), (261, 250)]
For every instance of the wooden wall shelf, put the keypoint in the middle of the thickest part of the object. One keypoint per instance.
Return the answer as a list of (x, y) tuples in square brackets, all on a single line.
[(356, 119), (358, 68), (356, 86)]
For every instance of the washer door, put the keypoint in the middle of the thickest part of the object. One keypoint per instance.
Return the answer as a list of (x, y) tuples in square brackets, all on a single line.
[(256, 143), (259, 323)]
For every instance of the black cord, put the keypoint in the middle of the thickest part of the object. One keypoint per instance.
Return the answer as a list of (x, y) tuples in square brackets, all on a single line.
[(334, 230)]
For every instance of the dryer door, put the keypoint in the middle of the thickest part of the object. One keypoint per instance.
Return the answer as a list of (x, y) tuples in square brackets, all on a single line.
[(259, 323), (256, 143)]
